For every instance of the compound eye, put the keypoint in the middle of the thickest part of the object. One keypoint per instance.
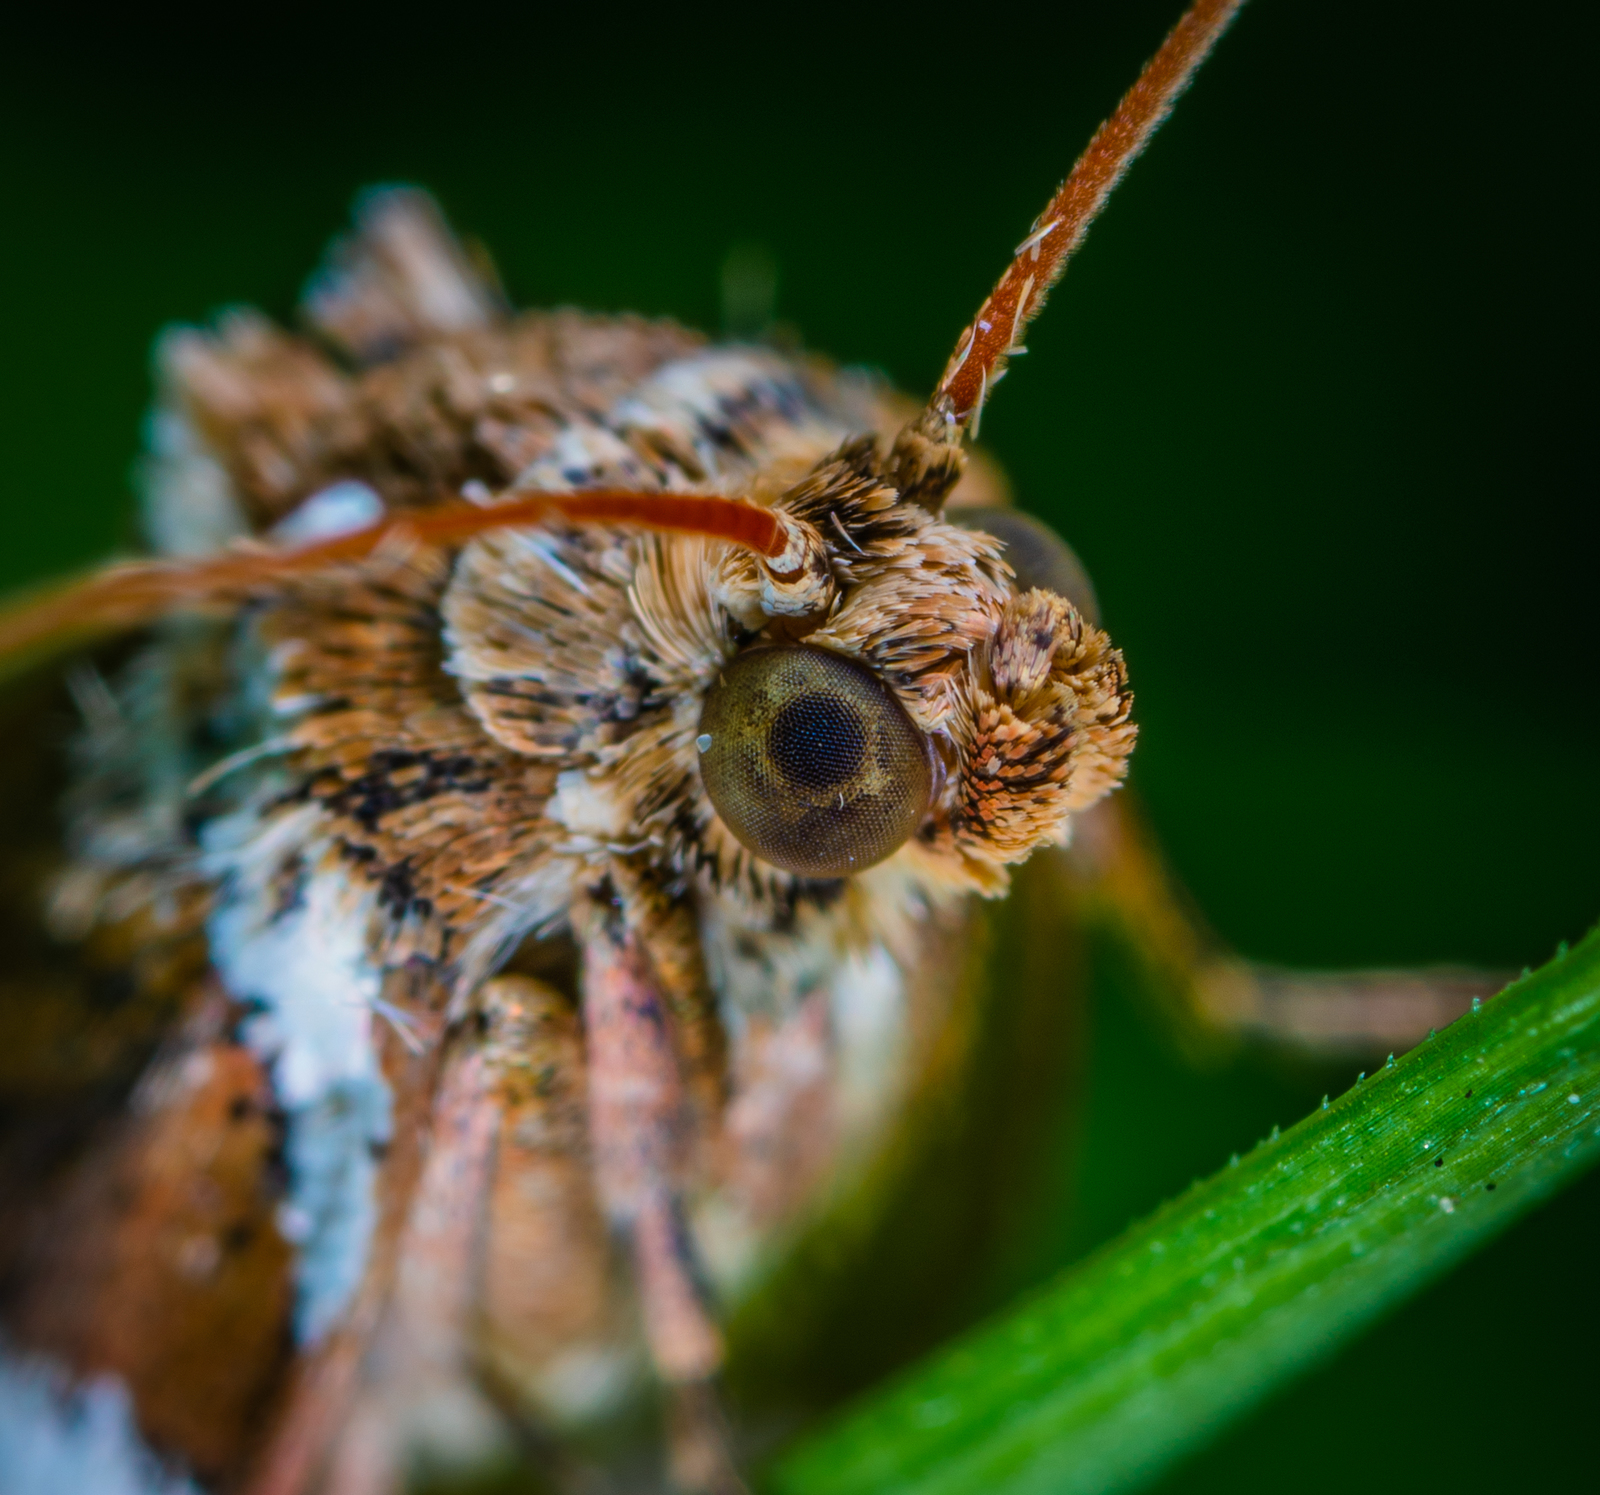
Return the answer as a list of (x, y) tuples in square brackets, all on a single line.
[(811, 762), (1039, 556)]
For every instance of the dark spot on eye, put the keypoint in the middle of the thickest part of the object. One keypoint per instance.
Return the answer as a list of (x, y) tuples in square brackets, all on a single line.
[(816, 741), (1438, 1162), (1490, 1184), (811, 762), (237, 1237), (239, 1107), (1469, 1095)]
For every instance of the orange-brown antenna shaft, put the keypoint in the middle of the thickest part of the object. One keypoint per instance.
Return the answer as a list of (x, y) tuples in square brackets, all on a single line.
[(979, 360), (123, 596)]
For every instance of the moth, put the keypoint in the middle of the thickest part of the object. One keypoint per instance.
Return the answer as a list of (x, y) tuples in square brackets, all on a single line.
[(522, 883)]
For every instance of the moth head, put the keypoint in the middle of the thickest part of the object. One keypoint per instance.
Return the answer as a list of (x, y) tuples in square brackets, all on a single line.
[(939, 697), (871, 681), (790, 686)]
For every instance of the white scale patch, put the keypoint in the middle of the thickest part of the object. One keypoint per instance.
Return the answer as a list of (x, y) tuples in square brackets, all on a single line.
[(869, 1024), (56, 1439), (302, 959), (339, 509)]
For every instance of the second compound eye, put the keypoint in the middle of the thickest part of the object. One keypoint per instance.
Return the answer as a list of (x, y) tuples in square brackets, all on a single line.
[(811, 762), (1036, 553)]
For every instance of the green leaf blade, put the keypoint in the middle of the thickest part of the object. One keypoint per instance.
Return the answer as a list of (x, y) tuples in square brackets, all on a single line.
[(1197, 1313)]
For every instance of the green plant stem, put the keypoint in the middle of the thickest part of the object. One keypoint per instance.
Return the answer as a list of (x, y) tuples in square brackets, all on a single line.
[(1191, 1317)]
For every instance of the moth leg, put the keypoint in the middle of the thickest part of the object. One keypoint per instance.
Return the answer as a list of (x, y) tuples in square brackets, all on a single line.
[(699, 1459), (637, 1122), (418, 1403), (327, 1378), (1362, 1014), (555, 1335), (1212, 996)]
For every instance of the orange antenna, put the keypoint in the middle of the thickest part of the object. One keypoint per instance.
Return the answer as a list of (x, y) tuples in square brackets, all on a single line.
[(126, 595), (981, 352)]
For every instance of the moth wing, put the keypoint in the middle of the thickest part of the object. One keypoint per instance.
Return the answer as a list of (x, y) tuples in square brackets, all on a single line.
[(140, 1159)]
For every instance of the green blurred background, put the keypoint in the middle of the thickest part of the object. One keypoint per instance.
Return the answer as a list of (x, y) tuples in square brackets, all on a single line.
[(1310, 404)]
